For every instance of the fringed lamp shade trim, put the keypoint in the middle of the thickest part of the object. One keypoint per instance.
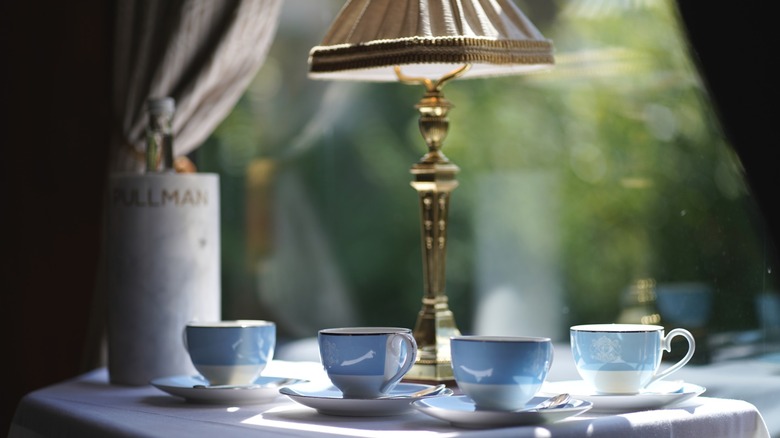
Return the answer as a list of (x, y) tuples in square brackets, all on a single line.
[(417, 50), (369, 37)]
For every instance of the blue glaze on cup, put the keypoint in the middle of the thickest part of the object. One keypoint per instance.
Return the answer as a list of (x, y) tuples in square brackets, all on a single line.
[(366, 362), (623, 358), (230, 352), (500, 372)]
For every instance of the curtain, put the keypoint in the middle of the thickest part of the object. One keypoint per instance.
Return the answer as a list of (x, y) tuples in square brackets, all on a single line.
[(203, 53), (732, 45)]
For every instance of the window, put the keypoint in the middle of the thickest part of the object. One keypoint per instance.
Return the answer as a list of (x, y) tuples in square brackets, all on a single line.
[(579, 188)]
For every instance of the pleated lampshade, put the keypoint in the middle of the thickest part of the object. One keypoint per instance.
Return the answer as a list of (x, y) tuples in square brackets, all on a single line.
[(429, 38)]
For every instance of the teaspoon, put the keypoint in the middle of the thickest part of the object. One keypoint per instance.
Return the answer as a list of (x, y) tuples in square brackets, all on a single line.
[(276, 384), (553, 402), (423, 392)]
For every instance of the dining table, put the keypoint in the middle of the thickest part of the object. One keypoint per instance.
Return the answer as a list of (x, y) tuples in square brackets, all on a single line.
[(90, 405)]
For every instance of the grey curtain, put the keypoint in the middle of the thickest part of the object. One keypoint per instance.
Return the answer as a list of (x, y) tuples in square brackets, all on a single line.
[(203, 53), (732, 48)]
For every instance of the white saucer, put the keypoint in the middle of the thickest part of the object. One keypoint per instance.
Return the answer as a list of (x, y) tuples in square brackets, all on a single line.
[(460, 411), (657, 395), (328, 400), (263, 390)]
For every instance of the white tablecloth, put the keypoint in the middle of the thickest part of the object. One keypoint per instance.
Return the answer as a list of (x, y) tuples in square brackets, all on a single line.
[(755, 380), (90, 406)]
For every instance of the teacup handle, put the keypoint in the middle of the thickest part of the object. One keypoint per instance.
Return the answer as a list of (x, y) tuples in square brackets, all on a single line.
[(184, 338), (666, 344), (411, 356), (184, 334)]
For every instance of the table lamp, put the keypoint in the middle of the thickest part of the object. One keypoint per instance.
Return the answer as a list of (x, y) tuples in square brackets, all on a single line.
[(430, 42)]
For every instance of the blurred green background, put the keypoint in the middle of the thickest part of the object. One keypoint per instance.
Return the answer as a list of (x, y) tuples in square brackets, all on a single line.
[(608, 169)]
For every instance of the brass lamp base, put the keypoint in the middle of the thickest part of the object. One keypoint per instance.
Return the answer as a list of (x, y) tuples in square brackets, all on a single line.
[(435, 325), (434, 181)]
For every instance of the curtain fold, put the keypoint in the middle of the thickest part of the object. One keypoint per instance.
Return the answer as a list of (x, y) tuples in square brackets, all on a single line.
[(732, 47), (203, 53)]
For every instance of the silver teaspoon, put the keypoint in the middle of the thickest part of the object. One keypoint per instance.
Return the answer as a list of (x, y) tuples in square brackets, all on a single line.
[(423, 392), (553, 402), (275, 384), (226, 386)]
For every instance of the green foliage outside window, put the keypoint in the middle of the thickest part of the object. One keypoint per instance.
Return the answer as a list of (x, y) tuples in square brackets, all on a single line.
[(643, 182)]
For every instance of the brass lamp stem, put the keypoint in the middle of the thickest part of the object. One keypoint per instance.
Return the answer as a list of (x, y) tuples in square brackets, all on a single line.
[(434, 180)]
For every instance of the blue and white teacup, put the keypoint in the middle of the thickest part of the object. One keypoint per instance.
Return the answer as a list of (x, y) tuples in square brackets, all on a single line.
[(230, 352), (624, 358), (366, 362), (500, 372)]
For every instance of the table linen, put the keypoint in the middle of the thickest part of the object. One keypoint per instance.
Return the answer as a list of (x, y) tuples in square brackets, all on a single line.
[(89, 405)]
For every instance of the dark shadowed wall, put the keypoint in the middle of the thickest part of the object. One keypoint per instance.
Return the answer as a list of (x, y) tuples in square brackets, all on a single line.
[(54, 142)]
